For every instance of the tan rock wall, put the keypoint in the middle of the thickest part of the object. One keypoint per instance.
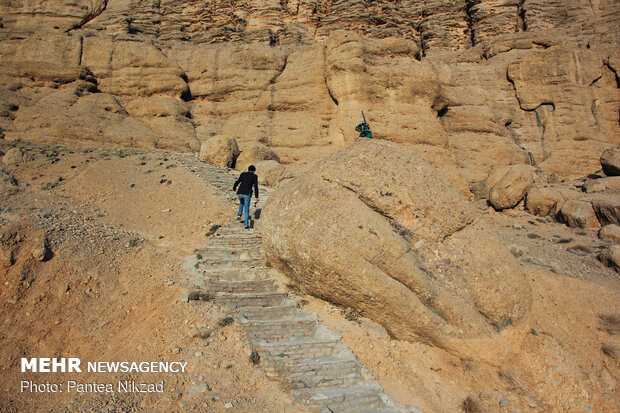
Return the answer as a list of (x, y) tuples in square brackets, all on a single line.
[(467, 85)]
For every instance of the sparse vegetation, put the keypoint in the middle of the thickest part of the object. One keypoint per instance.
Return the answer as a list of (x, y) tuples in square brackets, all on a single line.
[(611, 350), (49, 185), (199, 295), (226, 321), (255, 357), (610, 323), (198, 256), (212, 230), (350, 314), (294, 288), (580, 248), (469, 405)]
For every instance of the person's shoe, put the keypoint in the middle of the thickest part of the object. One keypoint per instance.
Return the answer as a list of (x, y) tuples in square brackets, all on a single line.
[(247, 227), (239, 217)]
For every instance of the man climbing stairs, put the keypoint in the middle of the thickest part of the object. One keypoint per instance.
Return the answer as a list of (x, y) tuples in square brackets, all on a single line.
[(322, 373)]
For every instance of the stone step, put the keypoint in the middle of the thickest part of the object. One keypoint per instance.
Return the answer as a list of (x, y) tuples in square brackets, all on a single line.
[(235, 274), (240, 300), (239, 233), (321, 373), (234, 247), (287, 309), (224, 245), (229, 263), (354, 399), (276, 353), (301, 327), (244, 239), (223, 255), (246, 286)]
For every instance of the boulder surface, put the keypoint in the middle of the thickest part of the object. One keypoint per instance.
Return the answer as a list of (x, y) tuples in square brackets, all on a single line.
[(378, 229), (610, 161), (220, 150), (511, 188)]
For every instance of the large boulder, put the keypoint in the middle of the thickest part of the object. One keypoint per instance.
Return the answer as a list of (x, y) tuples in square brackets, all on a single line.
[(271, 173), (378, 229), (219, 150), (511, 188), (542, 201), (602, 184), (253, 154), (610, 161), (610, 232), (578, 214), (611, 257), (607, 207), (13, 156)]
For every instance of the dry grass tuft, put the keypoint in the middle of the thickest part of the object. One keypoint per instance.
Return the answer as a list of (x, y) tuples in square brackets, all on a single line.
[(611, 350), (469, 405), (610, 323)]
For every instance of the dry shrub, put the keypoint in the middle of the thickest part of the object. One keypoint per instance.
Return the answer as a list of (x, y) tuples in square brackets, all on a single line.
[(611, 350), (610, 323), (469, 405)]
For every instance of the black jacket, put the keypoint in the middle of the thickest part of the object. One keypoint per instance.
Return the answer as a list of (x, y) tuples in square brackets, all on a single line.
[(247, 180)]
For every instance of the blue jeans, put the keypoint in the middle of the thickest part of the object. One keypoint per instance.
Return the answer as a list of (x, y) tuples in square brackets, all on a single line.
[(244, 201)]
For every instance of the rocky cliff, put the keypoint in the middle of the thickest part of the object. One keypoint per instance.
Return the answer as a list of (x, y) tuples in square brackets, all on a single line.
[(466, 84)]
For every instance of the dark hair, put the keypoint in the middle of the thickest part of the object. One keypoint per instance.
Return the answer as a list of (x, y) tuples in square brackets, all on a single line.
[(251, 168)]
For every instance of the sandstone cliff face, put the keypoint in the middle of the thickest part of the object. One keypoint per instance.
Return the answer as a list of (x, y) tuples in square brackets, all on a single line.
[(378, 229), (466, 84)]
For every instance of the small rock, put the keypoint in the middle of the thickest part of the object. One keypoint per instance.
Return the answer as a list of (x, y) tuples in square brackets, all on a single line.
[(517, 226), (610, 232), (517, 250), (6, 257), (13, 156), (41, 251), (611, 257), (578, 214), (228, 405), (198, 354), (504, 401), (197, 388), (184, 298), (610, 161)]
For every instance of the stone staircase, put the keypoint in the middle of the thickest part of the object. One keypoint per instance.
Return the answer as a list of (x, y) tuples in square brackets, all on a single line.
[(321, 372)]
